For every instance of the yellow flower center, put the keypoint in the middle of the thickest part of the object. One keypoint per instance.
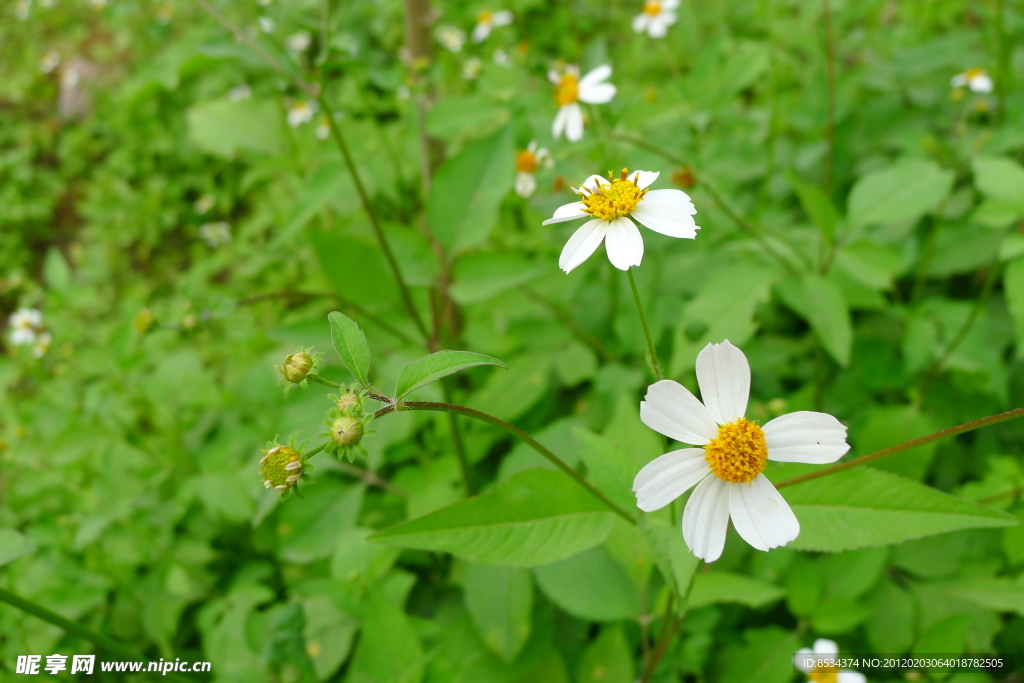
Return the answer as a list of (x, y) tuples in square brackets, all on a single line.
[(739, 453), (526, 162), (485, 17), (971, 74), (613, 199), (824, 674), (568, 90), (652, 8)]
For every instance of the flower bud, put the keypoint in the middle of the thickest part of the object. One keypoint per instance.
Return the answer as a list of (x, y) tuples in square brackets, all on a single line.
[(346, 402), (143, 321), (280, 468), (346, 431), (296, 366)]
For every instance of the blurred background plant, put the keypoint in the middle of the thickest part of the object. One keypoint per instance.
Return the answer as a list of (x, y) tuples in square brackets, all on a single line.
[(173, 206)]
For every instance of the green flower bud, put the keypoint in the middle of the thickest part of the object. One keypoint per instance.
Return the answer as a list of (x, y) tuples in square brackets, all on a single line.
[(143, 321), (346, 431), (296, 366), (347, 402), (280, 468)]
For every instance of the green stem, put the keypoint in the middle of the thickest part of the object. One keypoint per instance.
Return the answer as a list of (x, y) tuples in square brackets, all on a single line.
[(952, 431), (317, 450), (460, 449), (516, 432), (574, 327), (830, 70), (1002, 62), (652, 353), (75, 628), (320, 380), (668, 629)]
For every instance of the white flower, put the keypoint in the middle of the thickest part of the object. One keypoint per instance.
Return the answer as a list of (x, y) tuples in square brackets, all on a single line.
[(47, 4), (239, 93), (727, 471), (323, 128), (570, 90), (49, 62), (164, 13), (488, 21), (657, 16), (977, 80), (21, 10), (204, 204), (42, 345), (302, 112), (215, 234), (451, 38), (264, 3), (501, 58), (827, 650), (98, 4), (267, 24), (471, 68), (528, 162), (611, 203), (298, 42), (25, 323)]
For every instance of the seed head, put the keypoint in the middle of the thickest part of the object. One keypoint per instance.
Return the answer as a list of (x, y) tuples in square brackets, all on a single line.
[(280, 468)]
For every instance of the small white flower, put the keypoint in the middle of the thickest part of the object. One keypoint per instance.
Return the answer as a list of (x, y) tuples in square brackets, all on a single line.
[(98, 4), (471, 68), (298, 42), (827, 650), (657, 16), (403, 92), (528, 162), (164, 13), (267, 24), (451, 38), (204, 204), (25, 323), (47, 4), (216, 234), (22, 9), (501, 58), (487, 21), (49, 62), (264, 3), (611, 204), (570, 90), (239, 93), (302, 112), (42, 345), (977, 80), (323, 128), (727, 471)]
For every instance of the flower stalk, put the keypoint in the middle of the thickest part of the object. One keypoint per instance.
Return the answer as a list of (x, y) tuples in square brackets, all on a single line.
[(651, 352)]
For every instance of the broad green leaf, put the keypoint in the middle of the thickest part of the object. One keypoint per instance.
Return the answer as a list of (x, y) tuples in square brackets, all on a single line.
[(481, 275), (1000, 178), (1013, 285), (467, 116), (350, 343), (609, 467), (864, 507), (715, 587), (536, 517), (820, 302), (675, 561), (13, 545), (389, 649), (890, 624), (1001, 594), (904, 191), (766, 656), (887, 425), (56, 270), (590, 585), (224, 127), (817, 206), (500, 600), (462, 206), (439, 364), (309, 528), (609, 659)]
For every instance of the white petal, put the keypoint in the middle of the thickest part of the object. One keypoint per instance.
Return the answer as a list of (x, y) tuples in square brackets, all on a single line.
[(706, 518), (805, 436), (723, 376), (665, 221), (593, 182), (597, 94), (624, 243), (480, 32), (670, 409), (761, 515), (567, 212), (666, 478), (982, 83), (669, 5), (596, 76), (658, 28), (958, 81), (501, 18), (644, 179), (554, 77), (582, 244), (823, 647), (574, 122), (561, 119), (672, 200), (851, 677), (640, 22), (799, 656), (525, 184)]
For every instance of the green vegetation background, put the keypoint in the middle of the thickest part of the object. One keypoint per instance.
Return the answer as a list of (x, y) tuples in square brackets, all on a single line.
[(888, 292)]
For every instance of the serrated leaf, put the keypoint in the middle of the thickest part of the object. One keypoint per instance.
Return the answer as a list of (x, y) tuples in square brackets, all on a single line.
[(675, 561), (864, 507), (389, 649), (350, 343), (590, 585), (904, 191), (609, 467), (716, 587), (13, 545), (820, 302), (1013, 285), (439, 364), (536, 517), (500, 601), (609, 659), (1000, 178), (1001, 594), (817, 206)]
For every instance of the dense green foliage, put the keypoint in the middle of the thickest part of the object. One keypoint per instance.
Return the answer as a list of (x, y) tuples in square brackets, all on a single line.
[(181, 239)]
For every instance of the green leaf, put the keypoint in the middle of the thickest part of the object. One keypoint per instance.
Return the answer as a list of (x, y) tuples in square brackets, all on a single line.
[(469, 115), (309, 528), (590, 585), (389, 649), (13, 545), (609, 659), (500, 600), (887, 425), (462, 206), (536, 517), (56, 270), (904, 191), (675, 561), (437, 365), (864, 507), (1000, 594), (224, 127), (350, 343), (817, 206), (482, 275), (1013, 285), (766, 657), (715, 587), (820, 302), (609, 468), (1000, 178)]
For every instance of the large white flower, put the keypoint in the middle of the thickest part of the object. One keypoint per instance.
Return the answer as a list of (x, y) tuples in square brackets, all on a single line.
[(824, 649), (487, 21), (26, 324), (611, 203), (727, 471), (977, 80), (528, 162), (570, 90), (657, 16)]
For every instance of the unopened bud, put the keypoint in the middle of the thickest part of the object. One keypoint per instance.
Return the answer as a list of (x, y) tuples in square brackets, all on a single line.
[(280, 468), (346, 431), (143, 321), (346, 402), (296, 366)]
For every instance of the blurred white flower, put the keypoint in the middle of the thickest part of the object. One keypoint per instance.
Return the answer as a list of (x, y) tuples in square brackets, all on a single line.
[(204, 204), (570, 90), (98, 4), (42, 345), (728, 470), (611, 203), (164, 13), (471, 68), (216, 234), (47, 4), (487, 21), (298, 42), (403, 92), (451, 38), (264, 3), (25, 323), (49, 62), (69, 77), (528, 162), (501, 58), (239, 93), (323, 128), (657, 16), (826, 650), (21, 9), (267, 24), (977, 80), (302, 112)]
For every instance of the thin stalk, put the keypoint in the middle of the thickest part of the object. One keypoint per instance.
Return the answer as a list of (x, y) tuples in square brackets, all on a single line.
[(75, 628), (574, 327), (366, 475), (652, 353), (669, 624), (519, 434), (952, 431), (316, 450), (460, 449), (830, 68), (1002, 62), (320, 380)]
